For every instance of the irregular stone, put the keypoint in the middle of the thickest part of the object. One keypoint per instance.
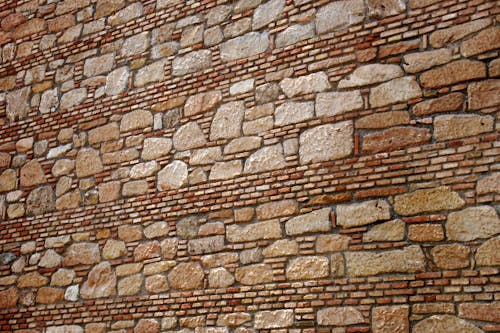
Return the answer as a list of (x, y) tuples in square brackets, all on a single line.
[(107, 7), (156, 283), (242, 87), (8, 298), (220, 278), (212, 228), (69, 200), (50, 259), (147, 250), (472, 223), (147, 326), (427, 200), (305, 268), (40, 201), (274, 319), (386, 232), (192, 35), (280, 248), (187, 227), (452, 73), (48, 295), (158, 267), (186, 276), (225, 170), (425, 232), (8, 180), (421, 61), (293, 112), (189, 136), (154, 148), (315, 221), (455, 33), (445, 324), (12, 20), (451, 256), (18, 106), (449, 127), (49, 101), (246, 143), (339, 316), (259, 126), (59, 151), (120, 156), (408, 260), (267, 13), (128, 269), (135, 44), (206, 245), (156, 230), (487, 254), (172, 176), (104, 133), (98, 65), (398, 90), (101, 282), (130, 233), (62, 277), (414, 4), (254, 274), (483, 94), (109, 191), (127, 14), (73, 98), (480, 311), (226, 123), (371, 74), (164, 50), (233, 319), (383, 120), (117, 81), (255, 231), (203, 102), (192, 62), (219, 259), (265, 159), (446, 103), (63, 167), (336, 103), (138, 119), (302, 85), (4, 160), (494, 68), (275, 209), (58, 241), (294, 34), (151, 73), (32, 280), (266, 93), (82, 254), (395, 138), (15, 210), (244, 46), (64, 328), (28, 28), (331, 243), (251, 256), (339, 14), (383, 8), (88, 162), (390, 319), (130, 285), (205, 156), (114, 249)]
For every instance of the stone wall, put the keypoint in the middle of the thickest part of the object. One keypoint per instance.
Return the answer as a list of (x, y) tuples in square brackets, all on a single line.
[(249, 165)]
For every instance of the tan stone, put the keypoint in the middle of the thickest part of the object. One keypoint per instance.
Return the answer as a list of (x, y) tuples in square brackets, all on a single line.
[(128, 269), (425, 232), (255, 231), (213, 228), (4, 160), (158, 267), (371, 74), (138, 119), (120, 156), (226, 123), (494, 68), (219, 259), (81, 254), (326, 142), (69, 200), (133, 188), (117, 81), (88, 163), (408, 260), (265, 159), (101, 282), (104, 133), (62, 277), (48, 295), (386, 232), (449, 127), (130, 233), (455, 33), (28, 28), (202, 102), (125, 15), (480, 311), (50, 259), (420, 61), (280, 248), (383, 120), (40, 200), (293, 112), (186, 276), (65, 328), (472, 223), (63, 167), (156, 283), (8, 298), (484, 41), (451, 256), (330, 243), (445, 324), (192, 62), (169, 248), (427, 200), (151, 73), (302, 85), (73, 98), (206, 245), (305, 268), (339, 316), (390, 319), (383, 8), (484, 94), (275, 209), (358, 214), (32, 280), (142, 170), (446, 103), (109, 191), (58, 241), (189, 136), (258, 126), (397, 90), (339, 14), (147, 250), (233, 319), (315, 221), (254, 274), (8, 180), (113, 249), (32, 174), (172, 176), (130, 285), (246, 143), (205, 156), (274, 319), (107, 7), (452, 73), (487, 254), (220, 278)]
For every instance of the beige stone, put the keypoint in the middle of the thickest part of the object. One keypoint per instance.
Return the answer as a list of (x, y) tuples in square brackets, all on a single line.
[(337, 103), (130, 233), (73, 98), (50, 259), (109, 191), (117, 81), (130, 285), (219, 259), (202, 102), (98, 65), (172, 176), (32, 280), (133, 188), (220, 278), (226, 123), (265, 159), (114, 249), (32, 174), (156, 230), (293, 112), (386, 232), (151, 73), (136, 44), (480, 311), (244, 46), (65, 329), (421, 61), (187, 227), (295, 34), (255, 231), (62, 277), (147, 250), (205, 156), (397, 90), (18, 106), (302, 85), (449, 127), (158, 267), (383, 8), (127, 14), (58, 241), (63, 167), (338, 15), (425, 232), (451, 256), (69, 200), (48, 295), (452, 73), (254, 274), (88, 163), (408, 260), (138, 119), (427, 200), (267, 13), (371, 74), (484, 41), (206, 245), (280, 248), (390, 319), (339, 316), (487, 254), (305, 268), (484, 94), (315, 221), (128, 269), (189, 136), (274, 319), (445, 324), (275, 209), (455, 33), (186, 276), (364, 213), (383, 120), (8, 180), (108, 132), (258, 126), (446, 103), (40, 201), (8, 298), (331, 243), (82, 254), (192, 62), (472, 223), (142, 170), (169, 248), (156, 283), (233, 319)]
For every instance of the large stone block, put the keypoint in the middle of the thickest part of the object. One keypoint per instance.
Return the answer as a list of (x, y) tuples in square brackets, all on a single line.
[(275, 209), (446, 103), (202, 102), (189, 136), (265, 159), (186, 276), (274, 319), (488, 254), (337, 103), (457, 126), (40, 201), (395, 138), (82, 254), (172, 176), (244, 46), (484, 94), (154, 72), (293, 112), (397, 90), (302, 85), (267, 13), (339, 316), (226, 123), (445, 324), (306, 268), (315, 221), (371, 74), (358, 214), (138, 119), (390, 319), (98, 65), (101, 282), (472, 223), (18, 105), (255, 231), (452, 73), (455, 33), (339, 14), (192, 62), (427, 200)]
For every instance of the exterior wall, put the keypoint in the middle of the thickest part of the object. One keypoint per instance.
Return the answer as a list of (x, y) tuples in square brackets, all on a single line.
[(279, 165)]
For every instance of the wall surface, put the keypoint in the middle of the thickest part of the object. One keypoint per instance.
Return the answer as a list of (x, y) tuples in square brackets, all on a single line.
[(249, 166)]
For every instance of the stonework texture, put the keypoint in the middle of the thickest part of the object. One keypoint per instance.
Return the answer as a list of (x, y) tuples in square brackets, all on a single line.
[(241, 166)]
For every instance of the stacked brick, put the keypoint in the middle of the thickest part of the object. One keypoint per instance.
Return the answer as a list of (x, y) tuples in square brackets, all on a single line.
[(217, 166)]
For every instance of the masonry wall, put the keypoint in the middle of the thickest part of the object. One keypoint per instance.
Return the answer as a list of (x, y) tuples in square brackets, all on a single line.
[(249, 166)]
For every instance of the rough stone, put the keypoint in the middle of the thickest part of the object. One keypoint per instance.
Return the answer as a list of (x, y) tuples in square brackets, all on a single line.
[(49, 101), (50, 259), (186, 276), (255, 231), (117, 81), (135, 44), (244, 46), (8, 298), (64, 329), (294, 34), (40, 201), (202, 102), (293, 112), (233, 319), (62, 277), (383, 120), (267, 13), (282, 247), (156, 283), (275, 209), (98, 65), (48, 295), (455, 33), (371, 74), (192, 62), (326, 142), (189, 136), (32, 280), (383, 8), (388, 231), (138, 119), (206, 245), (259, 126), (421, 61), (315, 221), (225, 170), (107, 7), (451, 256), (226, 123), (425, 232), (480, 311), (130, 285), (408, 260), (449, 127), (487, 254), (172, 176), (265, 159), (266, 93), (446, 103), (339, 316), (147, 250), (332, 243), (127, 14), (220, 278), (305, 268), (63, 167), (427, 200), (205, 156), (153, 148), (472, 223), (109, 191), (130, 233), (17, 103), (151, 73), (390, 319), (81, 254), (483, 94), (73, 98), (254, 274), (58, 241), (274, 319), (339, 14), (445, 324), (336, 103), (101, 282), (147, 326), (8, 180), (395, 138), (302, 85), (69, 200), (114, 249), (397, 90), (88, 163)]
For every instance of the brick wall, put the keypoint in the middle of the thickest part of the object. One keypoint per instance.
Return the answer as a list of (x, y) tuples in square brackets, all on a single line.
[(249, 166)]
